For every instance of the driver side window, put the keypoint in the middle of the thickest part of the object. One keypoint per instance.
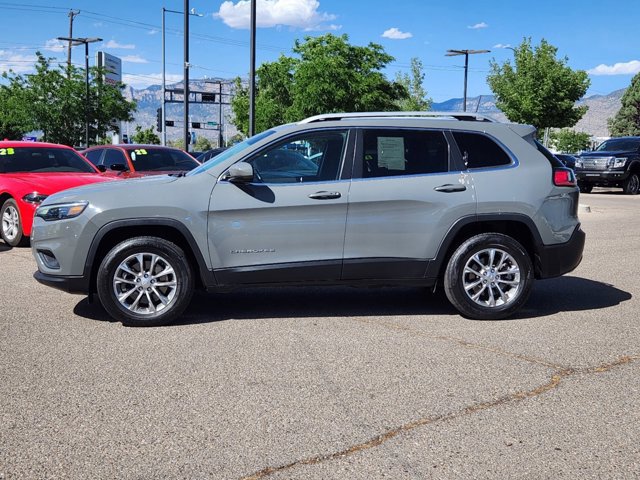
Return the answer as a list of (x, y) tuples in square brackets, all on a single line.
[(310, 157)]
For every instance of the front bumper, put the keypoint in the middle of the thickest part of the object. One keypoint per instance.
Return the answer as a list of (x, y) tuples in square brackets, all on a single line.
[(608, 177), (70, 284), (555, 260)]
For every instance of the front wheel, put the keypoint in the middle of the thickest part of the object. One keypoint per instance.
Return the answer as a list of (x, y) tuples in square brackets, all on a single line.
[(145, 281), (11, 227), (585, 187), (631, 185), (489, 277)]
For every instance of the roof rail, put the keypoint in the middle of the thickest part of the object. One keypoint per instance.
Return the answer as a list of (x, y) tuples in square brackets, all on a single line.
[(461, 116)]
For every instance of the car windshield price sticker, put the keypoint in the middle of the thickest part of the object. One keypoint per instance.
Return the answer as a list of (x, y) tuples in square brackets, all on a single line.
[(136, 152), (7, 151)]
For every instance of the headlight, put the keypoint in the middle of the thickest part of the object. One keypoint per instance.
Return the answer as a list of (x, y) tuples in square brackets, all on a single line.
[(61, 211), (579, 163), (34, 197), (617, 162)]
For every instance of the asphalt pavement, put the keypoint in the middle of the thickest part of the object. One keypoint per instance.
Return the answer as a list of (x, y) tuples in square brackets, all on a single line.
[(332, 383)]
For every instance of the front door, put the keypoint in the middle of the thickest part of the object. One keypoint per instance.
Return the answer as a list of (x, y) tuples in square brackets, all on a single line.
[(287, 225)]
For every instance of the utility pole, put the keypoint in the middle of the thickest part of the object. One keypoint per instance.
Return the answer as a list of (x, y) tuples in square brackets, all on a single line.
[(252, 72), (72, 14), (220, 115)]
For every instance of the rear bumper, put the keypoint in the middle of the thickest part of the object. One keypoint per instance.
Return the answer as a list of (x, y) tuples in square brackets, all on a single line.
[(77, 285), (555, 260)]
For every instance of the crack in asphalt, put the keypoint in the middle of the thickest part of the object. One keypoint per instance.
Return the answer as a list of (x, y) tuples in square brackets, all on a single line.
[(560, 373)]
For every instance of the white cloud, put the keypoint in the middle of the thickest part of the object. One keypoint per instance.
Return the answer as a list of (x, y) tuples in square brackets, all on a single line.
[(395, 34), (55, 45), (502, 45), (301, 14), (17, 62), (628, 68), (477, 26), (153, 31), (143, 81), (134, 59), (118, 46)]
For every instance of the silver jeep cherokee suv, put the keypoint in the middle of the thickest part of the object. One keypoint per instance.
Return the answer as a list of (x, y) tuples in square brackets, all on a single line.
[(355, 199)]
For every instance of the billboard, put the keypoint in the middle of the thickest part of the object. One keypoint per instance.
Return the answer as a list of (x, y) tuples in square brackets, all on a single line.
[(112, 65)]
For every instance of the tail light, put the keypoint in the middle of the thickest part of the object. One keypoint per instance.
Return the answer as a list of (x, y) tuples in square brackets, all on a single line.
[(564, 177)]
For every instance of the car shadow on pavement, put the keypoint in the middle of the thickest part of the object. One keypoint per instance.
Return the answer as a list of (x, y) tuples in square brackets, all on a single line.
[(4, 247), (564, 294)]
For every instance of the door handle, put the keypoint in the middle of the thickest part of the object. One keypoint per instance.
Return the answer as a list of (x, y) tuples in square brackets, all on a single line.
[(325, 195), (450, 188)]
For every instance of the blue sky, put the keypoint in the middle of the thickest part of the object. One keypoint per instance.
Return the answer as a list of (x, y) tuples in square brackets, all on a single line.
[(597, 36)]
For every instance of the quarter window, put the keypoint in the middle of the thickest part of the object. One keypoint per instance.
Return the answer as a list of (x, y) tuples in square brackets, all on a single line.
[(404, 152), (312, 157), (479, 151), (94, 156)]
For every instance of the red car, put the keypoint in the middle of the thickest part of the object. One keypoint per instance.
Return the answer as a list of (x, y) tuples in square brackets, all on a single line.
[(139, 160), (31, 171)]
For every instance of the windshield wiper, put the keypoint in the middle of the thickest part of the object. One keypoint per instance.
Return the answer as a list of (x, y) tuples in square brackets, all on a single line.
[(177, 174)]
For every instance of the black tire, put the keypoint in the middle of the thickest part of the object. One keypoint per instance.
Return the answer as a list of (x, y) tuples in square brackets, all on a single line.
[(585, 187), (147, 287), (631, 185), (516, 288), (11, 224)]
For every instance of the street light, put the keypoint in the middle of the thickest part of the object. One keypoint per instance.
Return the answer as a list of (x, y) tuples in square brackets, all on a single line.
[(164, 84), (252, 72), (466, 53), (86, 42)]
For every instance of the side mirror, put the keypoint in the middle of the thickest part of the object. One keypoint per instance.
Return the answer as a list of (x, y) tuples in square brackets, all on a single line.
[(102, 168), (241, 172), (118, 167)]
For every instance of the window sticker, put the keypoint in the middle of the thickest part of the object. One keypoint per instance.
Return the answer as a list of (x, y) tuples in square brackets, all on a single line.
[(7, 151), (136, 152), (391, 153)]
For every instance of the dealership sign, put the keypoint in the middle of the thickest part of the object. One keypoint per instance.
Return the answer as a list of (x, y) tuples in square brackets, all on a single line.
[(112, 66)]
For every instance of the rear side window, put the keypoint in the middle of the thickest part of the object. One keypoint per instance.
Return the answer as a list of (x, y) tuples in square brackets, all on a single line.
[(480, 151), (403, 152)]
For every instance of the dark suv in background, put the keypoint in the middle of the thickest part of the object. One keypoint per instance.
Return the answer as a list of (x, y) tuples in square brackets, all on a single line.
[(615, 163)]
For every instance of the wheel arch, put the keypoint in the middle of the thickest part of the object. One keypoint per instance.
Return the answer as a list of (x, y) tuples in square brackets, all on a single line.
[(519, 227), (168, 229)]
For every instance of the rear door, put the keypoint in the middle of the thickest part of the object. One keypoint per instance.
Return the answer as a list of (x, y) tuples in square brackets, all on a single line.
[(406, 193), (289, 224)]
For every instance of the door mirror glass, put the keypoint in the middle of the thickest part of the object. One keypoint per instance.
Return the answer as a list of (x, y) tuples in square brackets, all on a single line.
[(118, 167)]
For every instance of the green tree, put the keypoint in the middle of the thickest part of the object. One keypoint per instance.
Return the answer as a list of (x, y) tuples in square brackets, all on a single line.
[(539, 89), (202, 144), (147, 136), (627, 121), (570, 141), (327, 75), (15, 117), (55, 101), (417, 100)]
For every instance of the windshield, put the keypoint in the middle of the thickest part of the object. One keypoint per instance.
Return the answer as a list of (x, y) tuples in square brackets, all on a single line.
[(42, 160), (151, 159), (231, 152), (619, 144)]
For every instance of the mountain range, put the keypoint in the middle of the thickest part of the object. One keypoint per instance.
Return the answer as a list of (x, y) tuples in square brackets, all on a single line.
[(594, 122)]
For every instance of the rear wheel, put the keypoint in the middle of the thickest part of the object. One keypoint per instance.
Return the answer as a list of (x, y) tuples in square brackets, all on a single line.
[(489, 277), (631, 185), (11, 227), (145, 281)]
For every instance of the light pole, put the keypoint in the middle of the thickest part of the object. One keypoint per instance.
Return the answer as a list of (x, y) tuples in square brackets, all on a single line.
[(252, 73), (164, 82), (86, 42), (466, 53)]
